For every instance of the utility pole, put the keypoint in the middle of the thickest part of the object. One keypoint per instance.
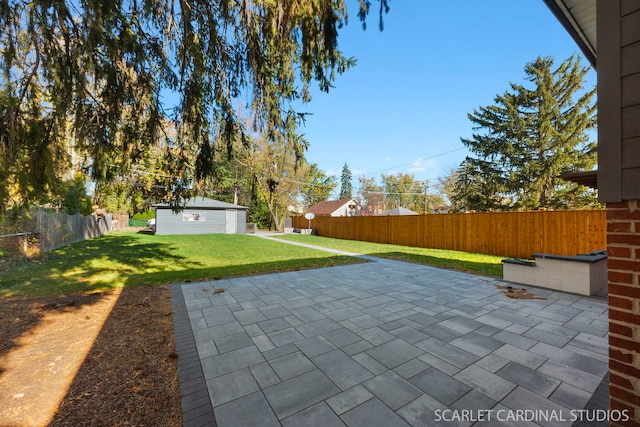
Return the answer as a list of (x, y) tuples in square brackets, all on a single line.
[(425, 199)]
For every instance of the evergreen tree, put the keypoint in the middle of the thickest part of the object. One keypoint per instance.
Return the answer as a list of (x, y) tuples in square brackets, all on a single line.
[(346, 187), (98, 73), (479, 186), (74, 198), (529, 137)]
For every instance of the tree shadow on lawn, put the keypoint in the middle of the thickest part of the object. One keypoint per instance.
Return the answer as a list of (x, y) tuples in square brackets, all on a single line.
[(83, 273), (79, 272), (137, 382), (93, 265), (61, 289), (473, 267)]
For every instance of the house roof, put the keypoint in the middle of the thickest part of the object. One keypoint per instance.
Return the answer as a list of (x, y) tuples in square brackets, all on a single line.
[(578, 17), (327, 207), (398, 211), (203, 202)]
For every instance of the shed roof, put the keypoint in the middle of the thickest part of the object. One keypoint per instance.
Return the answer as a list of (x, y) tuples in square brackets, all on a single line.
[(399, 211), (203, 203)]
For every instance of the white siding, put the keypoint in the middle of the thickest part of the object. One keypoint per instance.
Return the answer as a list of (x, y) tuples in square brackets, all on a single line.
[(202, 216), (168, 222)]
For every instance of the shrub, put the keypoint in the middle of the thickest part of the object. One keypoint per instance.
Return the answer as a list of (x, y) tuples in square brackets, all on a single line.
[(149, 214)]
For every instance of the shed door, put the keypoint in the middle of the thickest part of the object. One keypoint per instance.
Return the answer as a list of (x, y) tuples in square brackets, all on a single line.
[(231, 222)]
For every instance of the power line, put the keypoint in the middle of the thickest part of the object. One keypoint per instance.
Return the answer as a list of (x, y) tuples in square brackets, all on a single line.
[(417, 160), (397, 194)]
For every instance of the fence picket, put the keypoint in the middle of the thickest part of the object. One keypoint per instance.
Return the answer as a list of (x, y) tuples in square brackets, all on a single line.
[(55, 230), (512, 234)]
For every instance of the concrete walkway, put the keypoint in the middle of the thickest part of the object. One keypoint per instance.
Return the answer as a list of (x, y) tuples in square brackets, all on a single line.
[(384, 343)]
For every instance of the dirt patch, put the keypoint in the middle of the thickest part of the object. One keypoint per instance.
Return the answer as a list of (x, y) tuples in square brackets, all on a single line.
[(129, 374), (517, 293)]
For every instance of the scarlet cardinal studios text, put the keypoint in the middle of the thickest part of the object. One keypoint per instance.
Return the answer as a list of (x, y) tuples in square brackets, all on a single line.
[(518, 415)]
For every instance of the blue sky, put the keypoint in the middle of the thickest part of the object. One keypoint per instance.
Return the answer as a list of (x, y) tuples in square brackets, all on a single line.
[(405, 104)]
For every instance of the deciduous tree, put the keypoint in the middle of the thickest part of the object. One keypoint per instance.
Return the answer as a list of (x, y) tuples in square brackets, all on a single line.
[(277, 182), (445, 186), (319, 185), (371, 195), (405, 191)]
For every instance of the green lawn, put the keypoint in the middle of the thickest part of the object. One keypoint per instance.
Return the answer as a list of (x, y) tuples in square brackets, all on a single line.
[(487, 265), (120, 259)]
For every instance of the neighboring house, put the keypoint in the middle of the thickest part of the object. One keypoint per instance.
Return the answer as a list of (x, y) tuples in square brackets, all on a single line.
[(398, 211), (441, 209), (342, 207), (202, 216)]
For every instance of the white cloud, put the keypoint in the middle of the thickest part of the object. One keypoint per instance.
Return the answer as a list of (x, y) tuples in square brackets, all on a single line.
[(420, 164)]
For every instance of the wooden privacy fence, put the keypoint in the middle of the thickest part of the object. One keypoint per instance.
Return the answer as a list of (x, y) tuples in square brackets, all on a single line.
[(55, 230), (42, 231), (510, 234)]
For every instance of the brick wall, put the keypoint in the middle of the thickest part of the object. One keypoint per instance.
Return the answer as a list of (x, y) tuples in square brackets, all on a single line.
[(623, 245)]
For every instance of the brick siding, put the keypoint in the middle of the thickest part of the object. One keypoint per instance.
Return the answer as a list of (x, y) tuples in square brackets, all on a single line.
[(623, 245)]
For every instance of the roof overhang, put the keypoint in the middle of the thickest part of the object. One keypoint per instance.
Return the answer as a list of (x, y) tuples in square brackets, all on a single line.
[(588, 178), (578, 17), (201, 203)]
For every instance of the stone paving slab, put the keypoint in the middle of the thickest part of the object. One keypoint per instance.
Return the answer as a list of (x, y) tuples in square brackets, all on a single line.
[(381, 343)]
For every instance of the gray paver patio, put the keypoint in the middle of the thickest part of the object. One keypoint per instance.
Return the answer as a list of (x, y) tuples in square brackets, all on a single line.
[(381, 343)]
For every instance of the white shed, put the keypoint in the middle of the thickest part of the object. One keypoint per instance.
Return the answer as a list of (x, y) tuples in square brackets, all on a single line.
[(202, 216)]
